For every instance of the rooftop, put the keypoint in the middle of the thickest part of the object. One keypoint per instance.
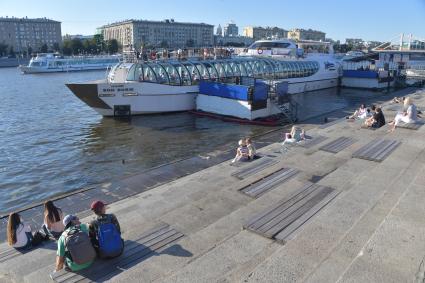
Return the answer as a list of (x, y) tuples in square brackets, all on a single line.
[(167, 21), (26, 19)]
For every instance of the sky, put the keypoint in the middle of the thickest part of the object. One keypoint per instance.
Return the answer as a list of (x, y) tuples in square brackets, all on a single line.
[(381, 20)]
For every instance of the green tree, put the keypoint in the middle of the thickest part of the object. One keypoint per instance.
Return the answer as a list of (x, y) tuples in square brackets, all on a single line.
[(66, 48), (190, 43), (112, 46), (76, 46), (163, 44), (44, 48), (99, 42), (56, 47), (3, 49), (11, 52)]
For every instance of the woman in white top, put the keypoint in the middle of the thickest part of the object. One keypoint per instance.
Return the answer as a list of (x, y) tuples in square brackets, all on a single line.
[(408, 116), (19, 234), (361, 113), (53, 217), (242, 152)]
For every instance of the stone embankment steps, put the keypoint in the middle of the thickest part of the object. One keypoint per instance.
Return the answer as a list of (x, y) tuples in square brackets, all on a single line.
[(209, 210)]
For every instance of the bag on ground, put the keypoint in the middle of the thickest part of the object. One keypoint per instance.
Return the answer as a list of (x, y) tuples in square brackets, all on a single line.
[(79, 246)]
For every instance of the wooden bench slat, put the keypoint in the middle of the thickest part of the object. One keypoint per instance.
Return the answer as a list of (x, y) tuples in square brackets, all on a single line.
[(296, 214), (308, 143), (140, 256), (370, 147), (291, 213), (266, 184), (140, 247), (255, 167), (377, 150), (411, 126), (287, 216), (302, 190), (290, 229), (294, 202), (392, 146), (338, 144)]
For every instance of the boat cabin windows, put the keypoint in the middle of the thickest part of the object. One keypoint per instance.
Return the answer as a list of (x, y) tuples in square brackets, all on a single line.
[(191, 72), (268, 45)]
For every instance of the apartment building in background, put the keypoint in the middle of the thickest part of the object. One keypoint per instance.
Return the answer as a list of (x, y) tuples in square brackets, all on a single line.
[(167, 34), (23, 34)]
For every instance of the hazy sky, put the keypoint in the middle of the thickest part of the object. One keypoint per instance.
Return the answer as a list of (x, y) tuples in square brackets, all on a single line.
[(367, 19)]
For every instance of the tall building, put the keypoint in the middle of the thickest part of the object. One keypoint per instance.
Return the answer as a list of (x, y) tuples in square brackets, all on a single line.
[(264, 32), (231, 29), (168, 33), (219, 31), (23, 34), (306, 34)]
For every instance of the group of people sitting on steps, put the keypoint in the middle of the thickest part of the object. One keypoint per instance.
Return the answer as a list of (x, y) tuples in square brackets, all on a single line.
[(374, 117), (78, 244), (246, 151)]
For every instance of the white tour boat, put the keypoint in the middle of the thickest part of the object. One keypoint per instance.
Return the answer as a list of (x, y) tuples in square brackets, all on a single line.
[(50, 62), (173, 85)]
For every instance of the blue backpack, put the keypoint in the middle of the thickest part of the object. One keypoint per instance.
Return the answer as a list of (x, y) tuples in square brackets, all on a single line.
[(110, 242)]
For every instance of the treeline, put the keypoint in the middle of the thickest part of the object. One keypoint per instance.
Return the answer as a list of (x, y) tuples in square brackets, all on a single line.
[(75, 46), (95, 45)]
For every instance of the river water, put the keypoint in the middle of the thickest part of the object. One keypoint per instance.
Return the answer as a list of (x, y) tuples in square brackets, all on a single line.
[(51, 142)]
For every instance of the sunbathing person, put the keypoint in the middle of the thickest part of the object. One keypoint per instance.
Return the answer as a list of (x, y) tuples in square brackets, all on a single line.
[(252, 152), (408, 116), (360, 113), (297, 134), (242, 152), (398, 100), (377, 120)]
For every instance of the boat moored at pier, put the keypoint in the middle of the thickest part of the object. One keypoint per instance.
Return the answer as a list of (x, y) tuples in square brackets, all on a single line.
[(50, 62), (173, 85)]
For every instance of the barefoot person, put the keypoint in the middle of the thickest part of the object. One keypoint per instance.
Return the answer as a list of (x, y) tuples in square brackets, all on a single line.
[(242, 152), (359, 113), (377, 120), (408, 116)]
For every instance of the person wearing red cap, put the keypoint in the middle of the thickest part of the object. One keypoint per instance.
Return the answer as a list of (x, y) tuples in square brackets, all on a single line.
[(102, 220)]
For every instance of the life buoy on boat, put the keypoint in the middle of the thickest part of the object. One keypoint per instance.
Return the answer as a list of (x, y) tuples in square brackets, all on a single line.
[(259, 51)]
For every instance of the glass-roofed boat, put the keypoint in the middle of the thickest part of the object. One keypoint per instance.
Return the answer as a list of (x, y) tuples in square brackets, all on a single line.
[(172, 85)]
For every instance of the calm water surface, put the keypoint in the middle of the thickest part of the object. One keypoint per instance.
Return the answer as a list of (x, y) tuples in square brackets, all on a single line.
[(51, 142)]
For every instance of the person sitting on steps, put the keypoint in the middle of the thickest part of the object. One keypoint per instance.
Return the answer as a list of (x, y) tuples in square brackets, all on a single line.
[(252, 152), (75, 249), (377, 120), (359, 114), (19, 234), (408, 116), (53, 217), (242, 152), (105, 232)]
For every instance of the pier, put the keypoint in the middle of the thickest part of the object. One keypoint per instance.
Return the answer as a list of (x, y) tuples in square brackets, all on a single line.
[(346, 206)]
